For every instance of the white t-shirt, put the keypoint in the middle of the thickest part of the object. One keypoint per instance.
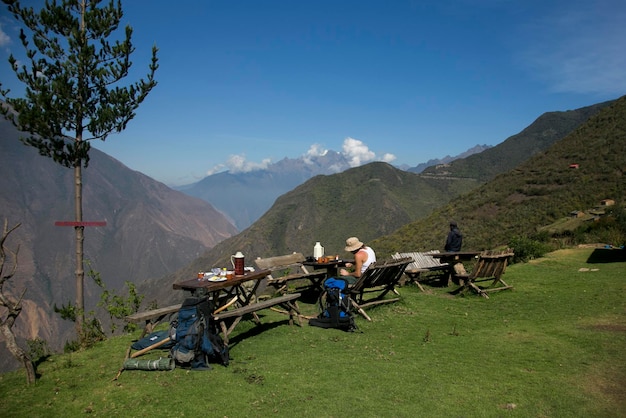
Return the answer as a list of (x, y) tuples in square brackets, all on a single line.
[(371, 258)]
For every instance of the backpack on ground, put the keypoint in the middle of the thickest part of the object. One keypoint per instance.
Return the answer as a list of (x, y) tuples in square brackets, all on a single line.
[(336, 310), (196, 339)]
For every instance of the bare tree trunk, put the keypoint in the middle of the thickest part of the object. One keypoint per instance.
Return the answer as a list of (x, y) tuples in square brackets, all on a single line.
[(80, 238), (13, 307), (17, 352), (78, 199)]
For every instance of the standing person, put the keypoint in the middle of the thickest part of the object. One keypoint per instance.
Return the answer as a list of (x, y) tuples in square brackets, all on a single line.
[(363, 257), (455, 238)]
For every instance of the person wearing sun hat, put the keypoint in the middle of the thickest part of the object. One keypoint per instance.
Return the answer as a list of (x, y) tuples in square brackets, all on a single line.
[(363, 257)]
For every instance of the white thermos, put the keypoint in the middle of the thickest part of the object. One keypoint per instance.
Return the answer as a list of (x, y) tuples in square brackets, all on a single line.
[(318, 251)]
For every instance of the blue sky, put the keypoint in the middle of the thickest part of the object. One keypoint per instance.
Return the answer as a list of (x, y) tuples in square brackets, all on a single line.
[(244, 83)]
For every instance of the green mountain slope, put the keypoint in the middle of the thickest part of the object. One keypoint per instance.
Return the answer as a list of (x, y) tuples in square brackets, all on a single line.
[(537, 137), (536, 193)]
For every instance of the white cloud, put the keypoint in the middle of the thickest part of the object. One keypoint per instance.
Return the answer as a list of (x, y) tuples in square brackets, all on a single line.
[(239, 164), (388, 158), (580, 49), (356, 152), (4, 38), (316, 150)]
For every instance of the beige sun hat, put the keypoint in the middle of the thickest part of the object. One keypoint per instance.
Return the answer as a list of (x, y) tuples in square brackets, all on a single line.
[(353, 243)]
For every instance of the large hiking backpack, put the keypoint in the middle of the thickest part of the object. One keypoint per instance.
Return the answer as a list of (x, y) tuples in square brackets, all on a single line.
[(195, 336), (336, 310)]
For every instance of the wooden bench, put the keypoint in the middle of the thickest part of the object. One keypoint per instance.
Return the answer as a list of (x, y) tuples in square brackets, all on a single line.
[(151, 318), (289, 268), (489, 266), (379, 278), (286, 301), (422, 263)]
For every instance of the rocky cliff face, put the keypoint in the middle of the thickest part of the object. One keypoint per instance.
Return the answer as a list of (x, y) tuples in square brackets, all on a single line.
[(151, 230)]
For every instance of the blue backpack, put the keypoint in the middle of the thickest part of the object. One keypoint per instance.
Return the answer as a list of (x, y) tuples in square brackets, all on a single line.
[(196, 339), (336, 310)]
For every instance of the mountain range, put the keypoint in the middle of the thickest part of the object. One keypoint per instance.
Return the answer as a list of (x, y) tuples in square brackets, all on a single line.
[(230, 192), (384, 205)]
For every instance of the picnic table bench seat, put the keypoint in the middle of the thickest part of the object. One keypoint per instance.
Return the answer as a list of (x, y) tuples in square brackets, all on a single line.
[(152, 317), (491, 265), (286, 301), (380, 278), (287, 268), (423, 262)]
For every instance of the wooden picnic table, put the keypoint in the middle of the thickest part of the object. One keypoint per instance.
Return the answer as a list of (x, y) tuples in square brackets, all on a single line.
[(223, 291), (331, 266), (232, 299), (455, 262)]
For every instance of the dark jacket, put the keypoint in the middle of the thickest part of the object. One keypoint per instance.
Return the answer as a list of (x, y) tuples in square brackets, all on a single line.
[(454, 240)]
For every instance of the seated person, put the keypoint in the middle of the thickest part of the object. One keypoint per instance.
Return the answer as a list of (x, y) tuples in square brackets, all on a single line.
[(363, 257)]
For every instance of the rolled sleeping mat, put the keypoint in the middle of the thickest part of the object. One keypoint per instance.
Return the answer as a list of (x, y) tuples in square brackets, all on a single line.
[(160, 364)]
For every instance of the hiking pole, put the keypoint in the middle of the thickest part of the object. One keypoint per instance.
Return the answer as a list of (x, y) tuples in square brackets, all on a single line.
[(229, 303), (155, 345)]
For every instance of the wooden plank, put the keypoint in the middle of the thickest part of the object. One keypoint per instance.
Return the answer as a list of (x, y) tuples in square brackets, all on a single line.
[(422, 260), (285, 268), (238, 314), (280, 262), (296, 276), (154, 313), (152, 317), (254, 307), (85, 223)]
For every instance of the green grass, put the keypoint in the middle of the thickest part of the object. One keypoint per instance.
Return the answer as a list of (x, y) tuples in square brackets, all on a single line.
[(552, 347)]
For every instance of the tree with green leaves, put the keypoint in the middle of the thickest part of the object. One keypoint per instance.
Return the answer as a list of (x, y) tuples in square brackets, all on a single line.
[(73, 89)]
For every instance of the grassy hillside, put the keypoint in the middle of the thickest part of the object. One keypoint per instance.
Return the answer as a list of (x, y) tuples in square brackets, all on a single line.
[(537, 137), (536, 193), (544, 349)]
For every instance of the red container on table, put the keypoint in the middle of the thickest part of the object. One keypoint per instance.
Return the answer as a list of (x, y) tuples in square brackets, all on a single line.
[(238, 262)]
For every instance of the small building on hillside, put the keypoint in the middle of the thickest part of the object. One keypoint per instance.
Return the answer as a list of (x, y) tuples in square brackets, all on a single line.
[(577, 214), (607, 202), (574, 165)]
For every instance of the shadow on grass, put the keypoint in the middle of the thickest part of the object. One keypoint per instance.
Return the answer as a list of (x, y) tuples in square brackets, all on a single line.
[(257, 329), (607, 255), (309, 296)]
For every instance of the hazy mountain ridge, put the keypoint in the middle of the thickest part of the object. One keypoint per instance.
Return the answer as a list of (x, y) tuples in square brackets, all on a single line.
[(537, 137), (151, 230), (231, 192), (476, 149)]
